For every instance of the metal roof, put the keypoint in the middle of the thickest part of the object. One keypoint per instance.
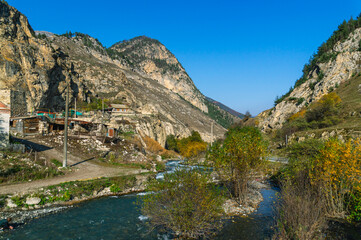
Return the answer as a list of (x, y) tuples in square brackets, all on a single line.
[(119, 106)]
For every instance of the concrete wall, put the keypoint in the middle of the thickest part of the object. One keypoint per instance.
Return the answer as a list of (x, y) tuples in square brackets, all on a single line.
[(4, 129)]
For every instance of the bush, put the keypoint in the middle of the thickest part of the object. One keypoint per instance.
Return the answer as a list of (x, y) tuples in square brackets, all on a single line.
[(185, 203), (188, 147), (305, 150), (56, 162), (114, 188), (300, 210)]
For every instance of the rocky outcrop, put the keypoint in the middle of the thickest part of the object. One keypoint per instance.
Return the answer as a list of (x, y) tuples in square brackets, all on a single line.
[(152, 59), (31, 65), (323, 79)]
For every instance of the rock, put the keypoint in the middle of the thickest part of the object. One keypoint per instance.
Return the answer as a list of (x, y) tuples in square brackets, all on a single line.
[(33, 200), (159, 158), (256, 185), (10, 203)]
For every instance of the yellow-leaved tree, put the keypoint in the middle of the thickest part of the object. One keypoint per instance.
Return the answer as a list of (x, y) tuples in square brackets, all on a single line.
[(338, 170)]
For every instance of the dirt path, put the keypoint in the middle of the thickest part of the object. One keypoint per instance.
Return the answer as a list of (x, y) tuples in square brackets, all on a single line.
[(83, 169)]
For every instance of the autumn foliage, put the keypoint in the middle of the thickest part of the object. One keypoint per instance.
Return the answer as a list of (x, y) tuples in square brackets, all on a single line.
[(325, 177), (338, 170), (188, 147)]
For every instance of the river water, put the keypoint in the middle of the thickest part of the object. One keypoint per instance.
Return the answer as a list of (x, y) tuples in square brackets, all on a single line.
[(118, 217)]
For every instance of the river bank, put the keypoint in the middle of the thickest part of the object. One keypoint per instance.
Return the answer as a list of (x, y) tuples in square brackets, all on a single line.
[(23, 208), (27, 206)]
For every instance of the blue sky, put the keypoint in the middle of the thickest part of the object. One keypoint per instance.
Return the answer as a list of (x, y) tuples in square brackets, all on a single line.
[(241, 53)]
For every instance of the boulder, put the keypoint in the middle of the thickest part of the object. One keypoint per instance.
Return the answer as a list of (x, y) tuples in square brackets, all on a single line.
[(33, 201), (11, 204)]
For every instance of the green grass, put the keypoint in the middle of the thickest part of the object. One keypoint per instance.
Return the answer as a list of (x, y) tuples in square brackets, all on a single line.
[(56, 162)]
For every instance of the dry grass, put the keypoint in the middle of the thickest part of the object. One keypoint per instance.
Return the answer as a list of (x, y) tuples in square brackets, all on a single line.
[(154, 147), (301, 210)]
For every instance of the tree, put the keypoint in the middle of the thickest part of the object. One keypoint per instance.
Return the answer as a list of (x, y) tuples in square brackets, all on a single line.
[(185, 203), (171, 143), (242, 152)]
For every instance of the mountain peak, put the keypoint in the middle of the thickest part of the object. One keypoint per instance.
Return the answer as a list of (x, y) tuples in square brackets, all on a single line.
[(13, 24)]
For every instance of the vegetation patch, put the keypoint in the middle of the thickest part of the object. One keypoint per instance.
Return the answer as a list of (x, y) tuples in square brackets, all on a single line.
[(321, 114), (219, 115), (15, 167), (189, 147), (321, 181)]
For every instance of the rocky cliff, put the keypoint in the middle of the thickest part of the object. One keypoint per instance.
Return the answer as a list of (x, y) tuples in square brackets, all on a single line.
[(336, 61), (140, 72)]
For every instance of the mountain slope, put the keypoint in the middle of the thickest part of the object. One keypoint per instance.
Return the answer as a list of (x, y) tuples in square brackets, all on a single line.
[(140, 72), (225, 108), (336, 62)]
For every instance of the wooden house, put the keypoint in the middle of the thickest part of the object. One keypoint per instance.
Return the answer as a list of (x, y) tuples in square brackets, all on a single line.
[(119, 109)]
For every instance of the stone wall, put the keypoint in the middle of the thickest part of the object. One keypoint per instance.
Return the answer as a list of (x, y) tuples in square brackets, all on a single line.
[(18, 104)]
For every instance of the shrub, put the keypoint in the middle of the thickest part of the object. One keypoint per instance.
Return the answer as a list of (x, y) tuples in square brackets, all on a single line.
[(188, 147), (300, 101), (300, 210), (185, 203), (56, 162), (114, 188)]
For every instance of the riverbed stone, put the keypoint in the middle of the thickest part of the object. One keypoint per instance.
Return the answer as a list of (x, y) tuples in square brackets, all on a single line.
[(33, 200), (10, 203)]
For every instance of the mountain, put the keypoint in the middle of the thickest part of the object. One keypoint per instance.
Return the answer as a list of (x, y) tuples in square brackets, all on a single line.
[(140, 72), (225, 108), (334, 68)]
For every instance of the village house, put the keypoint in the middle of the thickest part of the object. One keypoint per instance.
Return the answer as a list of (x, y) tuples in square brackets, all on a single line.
[(119, 109), (4, 125)]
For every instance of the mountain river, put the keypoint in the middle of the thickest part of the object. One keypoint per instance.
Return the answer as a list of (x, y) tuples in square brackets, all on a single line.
[(119, 217)]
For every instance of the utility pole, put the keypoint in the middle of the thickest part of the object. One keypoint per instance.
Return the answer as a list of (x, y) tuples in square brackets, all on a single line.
[(211, 133), (75, 108), (66, 125), (103, 104)]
